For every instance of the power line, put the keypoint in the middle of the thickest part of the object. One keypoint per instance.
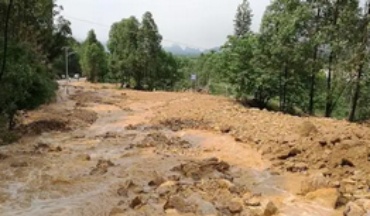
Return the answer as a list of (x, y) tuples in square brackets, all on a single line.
[(108, 27)]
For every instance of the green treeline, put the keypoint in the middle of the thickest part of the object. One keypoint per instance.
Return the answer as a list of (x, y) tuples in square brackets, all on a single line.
[(309, 57), (135, 58)]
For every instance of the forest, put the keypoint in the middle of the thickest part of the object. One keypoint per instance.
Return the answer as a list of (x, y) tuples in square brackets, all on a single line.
[(308, 58)]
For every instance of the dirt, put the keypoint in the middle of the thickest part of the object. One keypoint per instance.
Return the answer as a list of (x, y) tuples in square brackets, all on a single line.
[(102, 151)]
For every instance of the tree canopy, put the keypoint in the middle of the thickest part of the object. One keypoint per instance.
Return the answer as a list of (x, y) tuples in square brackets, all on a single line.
[(32, 39)]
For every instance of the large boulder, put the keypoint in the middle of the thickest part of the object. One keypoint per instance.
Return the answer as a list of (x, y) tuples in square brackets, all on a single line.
[(327, 197), (352, 209)]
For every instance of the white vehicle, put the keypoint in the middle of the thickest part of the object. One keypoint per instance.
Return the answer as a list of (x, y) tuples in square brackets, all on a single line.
[(77, 76)]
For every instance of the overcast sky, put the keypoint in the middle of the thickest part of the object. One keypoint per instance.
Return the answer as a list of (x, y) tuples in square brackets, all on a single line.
[(195, 23)]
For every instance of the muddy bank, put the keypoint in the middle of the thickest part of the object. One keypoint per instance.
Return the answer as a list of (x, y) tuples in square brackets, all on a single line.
[(102, 151)]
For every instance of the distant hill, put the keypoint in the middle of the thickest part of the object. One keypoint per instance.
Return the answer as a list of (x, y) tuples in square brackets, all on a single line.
[(178, 50), (187, 51), (216, 49)]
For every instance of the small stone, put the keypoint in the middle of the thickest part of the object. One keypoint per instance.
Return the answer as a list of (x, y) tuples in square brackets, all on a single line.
[(101, 167), (346, 162), (19, 164), (341, 201), (327, 152), (174, 177), (223, 183), (326, 172), (291, 153), (178, 203), (297, 167), (135, 202), (84, 157), (335, 139), (225, 129), (116, 211), (270, 209), (122, 192), (323, 142), (348, 186), (205, 208), (254, 201), (336, 184), (248, 195), (167, 187), (157, 181), (235, 206)]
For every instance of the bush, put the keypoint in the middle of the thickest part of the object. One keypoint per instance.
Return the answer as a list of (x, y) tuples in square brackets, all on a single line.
[(26, 83)]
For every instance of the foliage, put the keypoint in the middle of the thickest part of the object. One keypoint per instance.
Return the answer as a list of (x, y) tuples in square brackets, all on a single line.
[(32, 39), (93, 59), (309, 56), (137, 58), (243, 19)]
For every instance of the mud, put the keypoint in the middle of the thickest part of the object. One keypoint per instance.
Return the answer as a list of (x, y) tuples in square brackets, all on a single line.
[(140, 153)]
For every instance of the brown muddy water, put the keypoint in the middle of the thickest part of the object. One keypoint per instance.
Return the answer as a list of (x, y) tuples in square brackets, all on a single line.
[(108, 168)]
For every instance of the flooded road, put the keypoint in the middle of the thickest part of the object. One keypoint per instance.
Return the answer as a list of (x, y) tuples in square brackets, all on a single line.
[(122, 164)]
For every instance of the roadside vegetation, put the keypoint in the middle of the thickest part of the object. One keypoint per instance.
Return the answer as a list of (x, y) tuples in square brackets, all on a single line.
[(309, 58)]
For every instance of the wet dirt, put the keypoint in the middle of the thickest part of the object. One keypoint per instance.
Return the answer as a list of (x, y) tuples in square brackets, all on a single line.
[(124, 153)]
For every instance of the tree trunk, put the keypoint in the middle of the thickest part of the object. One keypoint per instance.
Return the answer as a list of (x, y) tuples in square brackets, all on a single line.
[(329, 96), (329, 101), (280, 91), (313, 85), (6, 38), (11, 122), (285, 84), (356, 95)]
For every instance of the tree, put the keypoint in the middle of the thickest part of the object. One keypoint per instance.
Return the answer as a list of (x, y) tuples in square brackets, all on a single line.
[(360, 60), (149, 48), (93, 59), (340, 23), (123, 46), (243, 19), (136, 55), (34, 33)]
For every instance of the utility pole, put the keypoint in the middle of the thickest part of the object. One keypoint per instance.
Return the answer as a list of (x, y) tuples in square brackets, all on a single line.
[(66, 59)]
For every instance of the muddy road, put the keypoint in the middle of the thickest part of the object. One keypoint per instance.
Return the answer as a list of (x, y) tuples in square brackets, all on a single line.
[(102, 151)]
